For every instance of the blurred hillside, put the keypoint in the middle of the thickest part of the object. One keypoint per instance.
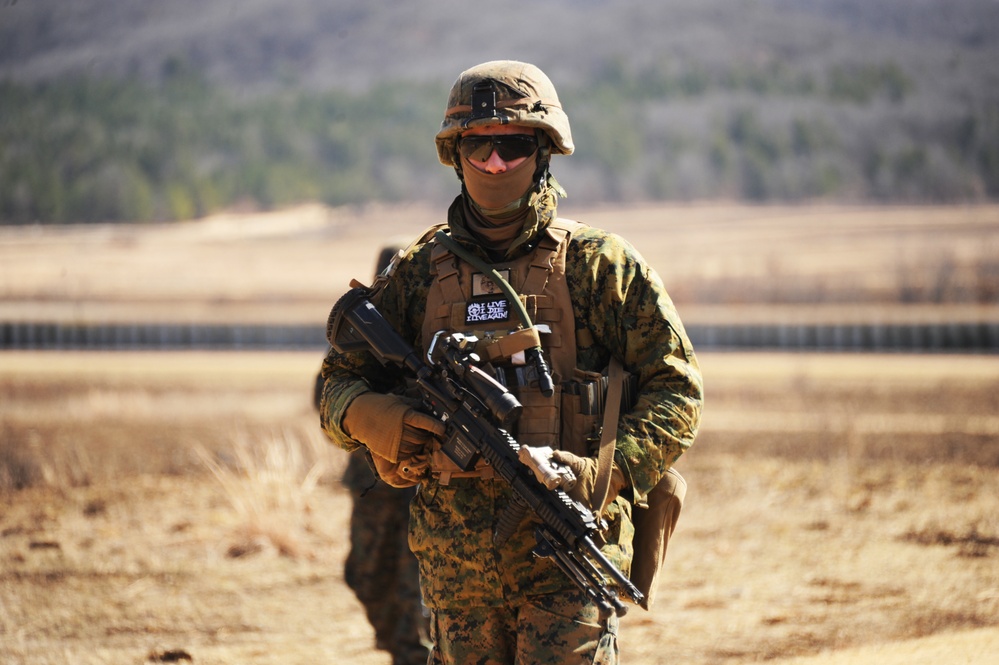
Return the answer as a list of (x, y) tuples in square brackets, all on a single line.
[(130, 110)]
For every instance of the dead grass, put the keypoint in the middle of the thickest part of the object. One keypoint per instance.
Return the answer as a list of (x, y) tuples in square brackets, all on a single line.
[(794, 541), (720, 262), (78, 418), (270, 485)]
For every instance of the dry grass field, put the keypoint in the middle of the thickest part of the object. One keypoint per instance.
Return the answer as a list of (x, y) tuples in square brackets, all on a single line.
[(184, 507), (720, 262)]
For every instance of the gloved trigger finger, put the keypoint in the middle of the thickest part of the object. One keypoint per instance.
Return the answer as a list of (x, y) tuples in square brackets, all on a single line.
[(425, 422)]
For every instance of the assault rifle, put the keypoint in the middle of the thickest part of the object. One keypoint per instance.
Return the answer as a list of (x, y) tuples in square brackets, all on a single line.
[(478, 411)]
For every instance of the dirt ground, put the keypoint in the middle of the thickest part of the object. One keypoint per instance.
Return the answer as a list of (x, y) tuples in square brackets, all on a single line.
[(184, 507), (803, 534)]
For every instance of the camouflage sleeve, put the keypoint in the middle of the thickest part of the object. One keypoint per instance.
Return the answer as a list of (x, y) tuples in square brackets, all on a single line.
[(624, 305), (400, 296)]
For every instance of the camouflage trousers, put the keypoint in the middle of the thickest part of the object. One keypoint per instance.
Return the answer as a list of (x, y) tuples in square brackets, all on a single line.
[(562, 629), (381, 570)]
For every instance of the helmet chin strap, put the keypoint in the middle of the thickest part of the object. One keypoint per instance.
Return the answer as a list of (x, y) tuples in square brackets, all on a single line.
[(544, 159)]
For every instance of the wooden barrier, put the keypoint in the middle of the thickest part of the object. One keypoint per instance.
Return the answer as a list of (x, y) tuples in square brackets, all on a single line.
[(980, 337), (977, 337), (117, 336)]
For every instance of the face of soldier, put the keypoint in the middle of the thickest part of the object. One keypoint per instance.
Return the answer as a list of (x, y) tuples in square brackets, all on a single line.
[(513, 145)]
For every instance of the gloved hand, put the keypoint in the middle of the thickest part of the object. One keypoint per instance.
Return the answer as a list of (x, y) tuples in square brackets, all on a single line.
[(585, 469), (389, 427), (404, 473)]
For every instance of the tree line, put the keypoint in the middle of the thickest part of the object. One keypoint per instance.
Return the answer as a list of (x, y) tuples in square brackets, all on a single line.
[(124, 150)]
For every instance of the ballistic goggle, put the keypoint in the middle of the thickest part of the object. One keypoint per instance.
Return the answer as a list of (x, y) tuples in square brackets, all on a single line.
[(479, 147)]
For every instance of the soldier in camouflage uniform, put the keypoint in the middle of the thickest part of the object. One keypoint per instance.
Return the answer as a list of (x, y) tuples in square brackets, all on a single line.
[(380, 569), (593, 298)]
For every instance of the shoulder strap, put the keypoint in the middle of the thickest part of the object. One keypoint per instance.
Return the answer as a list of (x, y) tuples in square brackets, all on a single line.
[(404, 250), (443, 264), (548, 257), (569, 225), (608, 435)]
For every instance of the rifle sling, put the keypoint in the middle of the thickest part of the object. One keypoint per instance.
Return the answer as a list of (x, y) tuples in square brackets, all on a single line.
[(608, 433)]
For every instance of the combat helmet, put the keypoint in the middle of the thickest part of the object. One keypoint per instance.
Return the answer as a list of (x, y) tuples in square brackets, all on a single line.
[(503, 92)]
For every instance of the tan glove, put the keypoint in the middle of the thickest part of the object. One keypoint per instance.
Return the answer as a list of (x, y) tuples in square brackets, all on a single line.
[(389, 426), (405, 472), (585, 469)]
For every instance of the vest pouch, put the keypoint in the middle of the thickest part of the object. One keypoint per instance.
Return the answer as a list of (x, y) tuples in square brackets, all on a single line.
[(654, 526), (582, 413), (539, 423)]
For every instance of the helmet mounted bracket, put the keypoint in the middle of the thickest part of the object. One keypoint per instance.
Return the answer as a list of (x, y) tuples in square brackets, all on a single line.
[(483, 101)]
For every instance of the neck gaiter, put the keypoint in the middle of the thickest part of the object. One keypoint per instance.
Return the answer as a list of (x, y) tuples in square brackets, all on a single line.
[(500, 193)]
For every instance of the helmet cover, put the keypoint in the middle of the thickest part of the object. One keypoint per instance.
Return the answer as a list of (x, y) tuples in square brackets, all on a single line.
[(503, 92)]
